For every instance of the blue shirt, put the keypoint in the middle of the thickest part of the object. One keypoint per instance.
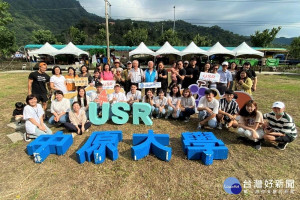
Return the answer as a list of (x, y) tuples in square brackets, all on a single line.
[(150, 77), (225, 77)]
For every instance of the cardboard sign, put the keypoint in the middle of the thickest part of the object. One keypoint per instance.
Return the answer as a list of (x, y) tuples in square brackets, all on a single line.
[(108, 84), (209, 77), (150, 85), (81, 81)]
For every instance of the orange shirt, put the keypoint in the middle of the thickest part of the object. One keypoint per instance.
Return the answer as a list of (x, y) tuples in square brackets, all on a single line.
[(70, 80)]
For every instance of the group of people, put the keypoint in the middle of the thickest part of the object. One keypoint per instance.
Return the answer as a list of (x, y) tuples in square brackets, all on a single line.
[(178, 103)]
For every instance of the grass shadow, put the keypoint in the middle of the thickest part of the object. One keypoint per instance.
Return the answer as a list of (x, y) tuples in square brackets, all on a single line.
[(73, 155)]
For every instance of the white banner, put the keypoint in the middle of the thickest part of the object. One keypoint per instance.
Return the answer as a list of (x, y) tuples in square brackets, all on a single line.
[(108, 84), (209, 77), (150, 85)]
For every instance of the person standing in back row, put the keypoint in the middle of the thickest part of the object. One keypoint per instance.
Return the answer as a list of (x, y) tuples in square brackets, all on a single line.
[(37, 85)]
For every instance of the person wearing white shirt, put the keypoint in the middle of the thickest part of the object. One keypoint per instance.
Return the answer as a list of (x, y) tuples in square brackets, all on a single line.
[(60, 107), (58, 81), (174, 102), (160, 103), (116, 97), (136, 74), (33, 115), (208, 108), (133, 95)]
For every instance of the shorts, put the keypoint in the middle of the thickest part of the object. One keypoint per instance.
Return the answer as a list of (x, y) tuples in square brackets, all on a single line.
[(284, 139), (41, 97)]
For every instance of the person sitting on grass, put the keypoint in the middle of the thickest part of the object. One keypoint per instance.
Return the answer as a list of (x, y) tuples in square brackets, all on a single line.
[(187, 105), (60, 107), (174, 102), (208, 108), (18, 112), (116, 97), (99, 97), (83, 100), (78, 121), (228, 109), (149, 98), (250, 123), (33, 116), (160, 103), (280, 128)]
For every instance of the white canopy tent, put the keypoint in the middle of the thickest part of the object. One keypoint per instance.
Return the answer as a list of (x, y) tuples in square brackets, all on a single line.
[(244, 49), (47, 49), (193, 49), (167, 49), (142, 49), (219, 49), (71, 49)]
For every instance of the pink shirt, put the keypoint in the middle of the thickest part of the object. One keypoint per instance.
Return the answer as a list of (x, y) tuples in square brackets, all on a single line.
[(107, 75)]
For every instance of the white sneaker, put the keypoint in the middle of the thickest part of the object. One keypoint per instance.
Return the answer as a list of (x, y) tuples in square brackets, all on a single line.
[(199, 127), (26, 138), (219, 126)]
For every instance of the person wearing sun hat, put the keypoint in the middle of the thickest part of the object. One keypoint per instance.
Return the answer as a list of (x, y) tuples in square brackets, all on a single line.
[(117, 65), (280, 128)]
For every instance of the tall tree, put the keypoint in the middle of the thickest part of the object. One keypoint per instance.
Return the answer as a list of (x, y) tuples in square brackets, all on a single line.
[(135, 36), (295, 48), (7, 37), (202, 40), (264, 38), (171, 37), (100, 38), (77, 36), (42, 36)]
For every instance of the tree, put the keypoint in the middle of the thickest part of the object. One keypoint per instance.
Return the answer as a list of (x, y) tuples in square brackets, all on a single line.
[(7, 41), (171, 37), (295, 48), (135, 36), (42, 36), (77, 36), (201, 40), (264, 38), (7, 37), (5, 16), (100, 38)]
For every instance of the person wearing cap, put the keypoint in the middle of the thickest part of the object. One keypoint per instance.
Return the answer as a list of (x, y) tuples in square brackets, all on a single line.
[(250, 73), (150, 74), (116, 66), (127, 83), (228, 110), (208, 108), (280, 128), (225, 78), (37, 85), (136, 74)]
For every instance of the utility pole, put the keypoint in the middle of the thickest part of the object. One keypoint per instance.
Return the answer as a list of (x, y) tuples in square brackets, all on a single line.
[(174, 20), (107, 32), (162, 28)]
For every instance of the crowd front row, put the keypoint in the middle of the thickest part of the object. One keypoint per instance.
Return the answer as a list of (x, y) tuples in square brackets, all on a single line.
[(276, 127)]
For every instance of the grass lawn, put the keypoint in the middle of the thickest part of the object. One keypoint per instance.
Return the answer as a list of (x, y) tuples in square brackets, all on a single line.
[(61, 177)]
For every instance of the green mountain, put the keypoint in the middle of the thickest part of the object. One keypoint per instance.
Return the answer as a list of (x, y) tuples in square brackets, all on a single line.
[(54, 15), (58, 15)]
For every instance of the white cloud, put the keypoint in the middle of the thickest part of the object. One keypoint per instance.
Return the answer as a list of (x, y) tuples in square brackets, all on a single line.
[(242, 17)]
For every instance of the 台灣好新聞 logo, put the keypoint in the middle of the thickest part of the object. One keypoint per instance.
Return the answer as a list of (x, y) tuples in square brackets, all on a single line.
[(232, 185)]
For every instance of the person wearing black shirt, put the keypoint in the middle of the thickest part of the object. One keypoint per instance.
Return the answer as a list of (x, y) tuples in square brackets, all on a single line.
[(162, 77), (181, 74), (37, 84)]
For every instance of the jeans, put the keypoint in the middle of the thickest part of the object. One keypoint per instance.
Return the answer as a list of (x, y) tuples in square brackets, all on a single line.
[(156, 111), (39, 132), (63, 119), (170, 112), (203, 115), (187, 113)]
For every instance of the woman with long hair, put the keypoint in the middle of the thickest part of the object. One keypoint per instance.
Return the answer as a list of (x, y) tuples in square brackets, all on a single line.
[(174, 102), (84, 72), (107, 74), (149, 98), (82, 99), (243, 83), (250, 123), (70, 79), (187, 105)]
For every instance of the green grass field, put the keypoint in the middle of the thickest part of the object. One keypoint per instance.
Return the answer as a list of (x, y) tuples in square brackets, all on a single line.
[(61, 177)]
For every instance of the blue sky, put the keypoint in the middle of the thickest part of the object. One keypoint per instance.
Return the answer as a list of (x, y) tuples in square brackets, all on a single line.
[(239, 16)]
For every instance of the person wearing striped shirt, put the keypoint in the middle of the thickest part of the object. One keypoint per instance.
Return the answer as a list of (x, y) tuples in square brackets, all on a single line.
[(280, 128), (228, 109)]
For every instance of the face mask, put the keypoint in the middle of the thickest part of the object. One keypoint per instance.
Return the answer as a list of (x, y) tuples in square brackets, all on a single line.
[(279, 114)]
